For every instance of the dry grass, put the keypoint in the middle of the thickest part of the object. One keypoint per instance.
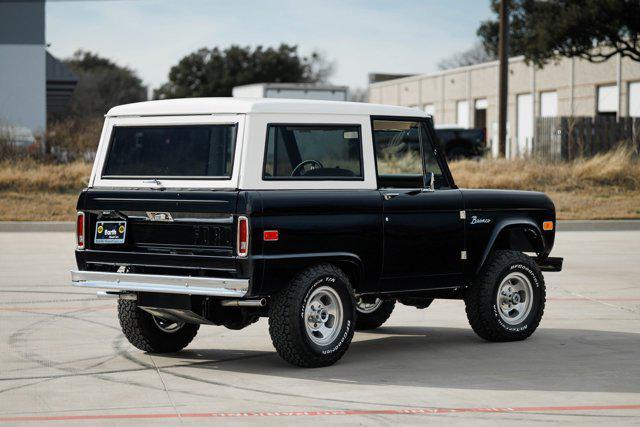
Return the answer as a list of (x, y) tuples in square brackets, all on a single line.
[(603, 187), (31, 191), (31, 176), (617, 170), (606, 186), (37, 206)]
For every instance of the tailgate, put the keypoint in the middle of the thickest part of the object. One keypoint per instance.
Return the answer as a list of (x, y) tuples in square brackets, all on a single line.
[(169, 228)]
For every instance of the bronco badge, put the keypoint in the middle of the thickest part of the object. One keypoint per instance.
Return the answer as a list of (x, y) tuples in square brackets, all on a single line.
[(476, 220)]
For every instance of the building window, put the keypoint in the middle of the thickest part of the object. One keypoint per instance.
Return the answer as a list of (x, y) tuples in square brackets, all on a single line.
[(607, 100), (634, 99), (430, 109), (548, 104), (462, 117)]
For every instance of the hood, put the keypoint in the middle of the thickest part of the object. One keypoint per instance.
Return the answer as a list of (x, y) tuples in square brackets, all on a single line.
[(506, 200)]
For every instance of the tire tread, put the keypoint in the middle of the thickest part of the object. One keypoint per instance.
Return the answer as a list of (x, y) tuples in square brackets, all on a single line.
[(137, 327), (283, 310), (479, 298), (366, 321)]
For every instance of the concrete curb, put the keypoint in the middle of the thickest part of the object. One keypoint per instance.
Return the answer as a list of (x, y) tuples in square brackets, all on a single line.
[(586, 225), (36, 226), (599, 225)]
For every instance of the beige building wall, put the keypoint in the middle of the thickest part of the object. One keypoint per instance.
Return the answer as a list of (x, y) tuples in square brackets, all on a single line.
[(574, 81)]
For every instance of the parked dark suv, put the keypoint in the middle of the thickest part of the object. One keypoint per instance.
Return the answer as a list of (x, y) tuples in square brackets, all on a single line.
[(318, 215), (460, 143)]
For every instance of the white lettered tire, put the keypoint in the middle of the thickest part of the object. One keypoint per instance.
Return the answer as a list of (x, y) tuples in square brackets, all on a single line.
[(372, 315), (507, 300), (312, 321)]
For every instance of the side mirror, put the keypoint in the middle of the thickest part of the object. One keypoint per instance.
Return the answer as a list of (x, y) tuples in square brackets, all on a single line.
[(427, 184)]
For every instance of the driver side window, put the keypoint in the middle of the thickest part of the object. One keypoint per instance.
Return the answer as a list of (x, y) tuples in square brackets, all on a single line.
[(308, 152)]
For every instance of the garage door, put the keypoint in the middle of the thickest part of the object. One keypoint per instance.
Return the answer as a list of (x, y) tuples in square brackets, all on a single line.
[(462, 115), (548, 104), (634, 99), (524, 124)]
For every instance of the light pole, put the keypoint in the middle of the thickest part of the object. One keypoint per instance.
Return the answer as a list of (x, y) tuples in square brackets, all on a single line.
[(503, 53)]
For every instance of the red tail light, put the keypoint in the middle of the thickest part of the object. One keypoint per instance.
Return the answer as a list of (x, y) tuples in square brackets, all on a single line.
[(243, 236), (80, 230)]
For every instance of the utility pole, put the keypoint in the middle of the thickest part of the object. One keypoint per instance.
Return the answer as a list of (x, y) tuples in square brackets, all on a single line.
[(503, 53)]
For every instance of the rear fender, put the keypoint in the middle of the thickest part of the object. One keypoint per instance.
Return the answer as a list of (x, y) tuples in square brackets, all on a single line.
[(279, 270)]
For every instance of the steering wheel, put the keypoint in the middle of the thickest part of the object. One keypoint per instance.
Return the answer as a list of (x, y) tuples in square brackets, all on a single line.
[(297, 170)]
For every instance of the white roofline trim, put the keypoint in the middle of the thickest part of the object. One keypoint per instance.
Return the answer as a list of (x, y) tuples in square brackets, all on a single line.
[(215, 106)]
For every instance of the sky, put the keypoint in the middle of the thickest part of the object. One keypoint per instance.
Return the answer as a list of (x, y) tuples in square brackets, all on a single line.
[(358, 36)]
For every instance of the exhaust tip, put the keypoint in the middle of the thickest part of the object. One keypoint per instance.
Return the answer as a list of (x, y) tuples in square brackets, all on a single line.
[(262, 302)]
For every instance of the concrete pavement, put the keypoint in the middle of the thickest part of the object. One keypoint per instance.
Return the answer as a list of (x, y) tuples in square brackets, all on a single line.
[(65, 360)]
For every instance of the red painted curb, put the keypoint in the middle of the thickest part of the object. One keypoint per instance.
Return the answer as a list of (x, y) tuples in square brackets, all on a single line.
[(420, 411)]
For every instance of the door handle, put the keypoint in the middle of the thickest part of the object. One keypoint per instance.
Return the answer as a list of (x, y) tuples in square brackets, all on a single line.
[(389, 196)]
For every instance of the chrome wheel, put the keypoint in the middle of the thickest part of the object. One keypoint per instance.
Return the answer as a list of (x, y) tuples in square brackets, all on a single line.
[(166, 325), (514, 298), (368, 307), (323, 315)]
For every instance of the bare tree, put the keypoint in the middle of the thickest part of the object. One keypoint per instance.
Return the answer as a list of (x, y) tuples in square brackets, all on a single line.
[(475, 55), (358, 94)]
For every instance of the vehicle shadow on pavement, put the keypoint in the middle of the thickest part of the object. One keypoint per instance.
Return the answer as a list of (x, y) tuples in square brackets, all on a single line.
[(550, 360)]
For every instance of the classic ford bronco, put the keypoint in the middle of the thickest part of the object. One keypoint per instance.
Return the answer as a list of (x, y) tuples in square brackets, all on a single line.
[(318, 215)]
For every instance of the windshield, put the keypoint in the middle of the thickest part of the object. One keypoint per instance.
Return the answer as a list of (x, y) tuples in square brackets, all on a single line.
[(193, 151)]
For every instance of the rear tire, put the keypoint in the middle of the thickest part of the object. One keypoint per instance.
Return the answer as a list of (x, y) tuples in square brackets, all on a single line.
[(507, 300), (152, 334), (374, 315), (312, 321)]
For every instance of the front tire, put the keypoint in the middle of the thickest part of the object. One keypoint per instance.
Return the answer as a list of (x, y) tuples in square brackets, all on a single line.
[(373, 315), (507, 300), (312, 321), (153, 334)]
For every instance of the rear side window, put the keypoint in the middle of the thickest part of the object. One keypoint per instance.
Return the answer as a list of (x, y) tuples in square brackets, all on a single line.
[(193, 151), (307, 152)]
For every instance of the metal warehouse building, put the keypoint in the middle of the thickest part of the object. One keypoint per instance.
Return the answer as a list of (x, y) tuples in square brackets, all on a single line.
[(468, 96), (32, 81)]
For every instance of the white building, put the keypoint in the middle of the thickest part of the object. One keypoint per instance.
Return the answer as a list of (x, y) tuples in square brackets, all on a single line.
[(468, 96), (292, 91)]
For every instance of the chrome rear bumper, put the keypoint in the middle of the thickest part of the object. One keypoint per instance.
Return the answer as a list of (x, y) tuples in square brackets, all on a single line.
[(187, 285)]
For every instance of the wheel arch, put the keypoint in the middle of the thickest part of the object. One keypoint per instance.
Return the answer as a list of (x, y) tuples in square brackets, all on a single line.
[(280, 270), (520, 234)]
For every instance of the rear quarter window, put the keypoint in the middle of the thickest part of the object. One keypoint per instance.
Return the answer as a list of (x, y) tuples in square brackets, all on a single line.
[(313, 152)]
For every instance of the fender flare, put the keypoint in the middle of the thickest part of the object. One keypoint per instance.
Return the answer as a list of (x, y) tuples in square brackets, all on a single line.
[(505, 224), (294, 262)]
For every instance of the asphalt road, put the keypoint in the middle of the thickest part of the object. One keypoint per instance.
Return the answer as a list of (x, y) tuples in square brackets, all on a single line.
[(64, 360)]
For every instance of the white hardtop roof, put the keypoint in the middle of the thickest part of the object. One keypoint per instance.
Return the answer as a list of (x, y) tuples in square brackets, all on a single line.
[(192, 106)]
